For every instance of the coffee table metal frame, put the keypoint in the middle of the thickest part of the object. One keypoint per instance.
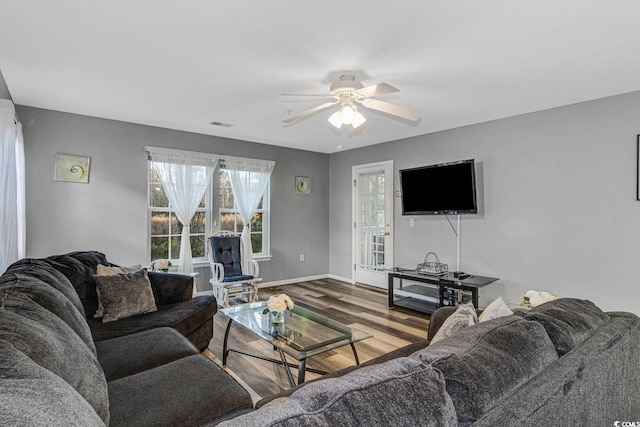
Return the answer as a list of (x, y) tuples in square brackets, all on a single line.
[(300, 336)]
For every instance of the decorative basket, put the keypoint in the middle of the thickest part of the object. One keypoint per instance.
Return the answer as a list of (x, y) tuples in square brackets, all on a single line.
[(434, 268)]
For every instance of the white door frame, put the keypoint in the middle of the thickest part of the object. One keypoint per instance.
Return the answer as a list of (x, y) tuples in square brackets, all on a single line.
[(387, 167)]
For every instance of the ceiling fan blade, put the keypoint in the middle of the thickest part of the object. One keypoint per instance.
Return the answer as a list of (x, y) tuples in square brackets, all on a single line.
[(325, 95), (309, 112), (393, 109), (375, 90)]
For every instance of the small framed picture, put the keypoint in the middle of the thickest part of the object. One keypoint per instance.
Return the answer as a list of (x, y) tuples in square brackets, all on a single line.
[(303, 185), (71, 168)]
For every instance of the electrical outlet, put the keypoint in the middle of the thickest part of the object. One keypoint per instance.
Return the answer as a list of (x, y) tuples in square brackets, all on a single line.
[(301, 257)]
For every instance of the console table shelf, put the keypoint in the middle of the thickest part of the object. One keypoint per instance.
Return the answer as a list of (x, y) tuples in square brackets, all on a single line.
[(424, 293)]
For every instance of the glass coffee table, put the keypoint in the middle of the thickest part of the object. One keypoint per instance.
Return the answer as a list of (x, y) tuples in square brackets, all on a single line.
[(303, 334)]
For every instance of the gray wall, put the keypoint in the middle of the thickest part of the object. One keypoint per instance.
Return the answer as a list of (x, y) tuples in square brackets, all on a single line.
[(110, 213), (558, 190)]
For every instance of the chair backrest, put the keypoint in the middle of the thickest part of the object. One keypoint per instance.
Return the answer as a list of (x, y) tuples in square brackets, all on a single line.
[(224, 233), (226, 251)]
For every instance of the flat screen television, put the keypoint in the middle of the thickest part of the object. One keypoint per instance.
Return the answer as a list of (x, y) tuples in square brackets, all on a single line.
[(442, 189)]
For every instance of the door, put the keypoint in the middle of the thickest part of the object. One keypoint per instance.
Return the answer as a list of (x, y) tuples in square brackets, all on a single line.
[(372, 223)]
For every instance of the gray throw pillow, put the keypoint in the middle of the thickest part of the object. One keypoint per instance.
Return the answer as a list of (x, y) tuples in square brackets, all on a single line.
[(464, 316), (125, 295), (103, 270)]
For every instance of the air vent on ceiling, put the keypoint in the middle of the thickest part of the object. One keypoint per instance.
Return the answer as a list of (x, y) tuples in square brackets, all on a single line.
[(224, 125)]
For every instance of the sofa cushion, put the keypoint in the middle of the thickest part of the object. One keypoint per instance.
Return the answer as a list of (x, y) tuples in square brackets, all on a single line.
[(125, 295), (171, 288), (400, 392), (568, 321), (50, 342), (24, 290), (79, 268), (188, 391), (40, 269), (32, 395), (464, 316), (185, 317), (593, 385), (399, 352), (131, 354), (486, 363)]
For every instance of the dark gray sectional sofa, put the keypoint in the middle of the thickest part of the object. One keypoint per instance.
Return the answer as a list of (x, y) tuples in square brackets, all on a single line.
[(61, 367), (563, 363)]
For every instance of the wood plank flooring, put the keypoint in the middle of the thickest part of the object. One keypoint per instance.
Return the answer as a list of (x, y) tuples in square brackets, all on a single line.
[(360, 306)]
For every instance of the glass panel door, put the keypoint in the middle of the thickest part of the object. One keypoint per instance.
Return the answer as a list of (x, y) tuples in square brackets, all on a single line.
[(373, 222)]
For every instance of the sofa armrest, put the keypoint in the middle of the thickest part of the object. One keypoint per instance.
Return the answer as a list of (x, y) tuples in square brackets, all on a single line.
[(169, 288), (438, 317)]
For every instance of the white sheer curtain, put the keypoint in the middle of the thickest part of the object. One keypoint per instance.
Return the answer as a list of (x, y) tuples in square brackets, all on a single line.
[(12, 205), (249, 178), (184, 176)]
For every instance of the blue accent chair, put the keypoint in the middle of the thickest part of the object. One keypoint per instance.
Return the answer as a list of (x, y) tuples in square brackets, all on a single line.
[(229, 278)]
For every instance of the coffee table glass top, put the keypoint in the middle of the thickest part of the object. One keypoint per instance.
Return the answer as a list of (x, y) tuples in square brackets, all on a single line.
[(303, 334)]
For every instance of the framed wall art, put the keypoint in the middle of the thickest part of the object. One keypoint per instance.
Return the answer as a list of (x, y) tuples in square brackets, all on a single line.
[(303, 185), (71, 168)]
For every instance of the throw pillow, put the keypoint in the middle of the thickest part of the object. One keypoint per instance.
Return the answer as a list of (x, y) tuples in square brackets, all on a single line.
[(464, 316), (497, 308), (103, 270), (125, 295)]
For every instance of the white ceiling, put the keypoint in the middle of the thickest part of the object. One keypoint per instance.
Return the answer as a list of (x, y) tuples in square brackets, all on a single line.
[(183, 64)]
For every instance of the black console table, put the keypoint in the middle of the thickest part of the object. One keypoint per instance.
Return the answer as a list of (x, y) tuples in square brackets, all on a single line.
[(426, 293)]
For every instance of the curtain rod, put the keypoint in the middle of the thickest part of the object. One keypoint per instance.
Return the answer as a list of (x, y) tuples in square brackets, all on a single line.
[(222, 160)]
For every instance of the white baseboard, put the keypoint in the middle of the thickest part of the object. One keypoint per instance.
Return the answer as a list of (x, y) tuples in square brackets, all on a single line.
[(304, 279), (291, 281), (342, 279)]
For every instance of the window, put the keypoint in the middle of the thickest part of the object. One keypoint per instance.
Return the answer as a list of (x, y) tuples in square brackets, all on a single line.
[(230, 220), (165, 229)]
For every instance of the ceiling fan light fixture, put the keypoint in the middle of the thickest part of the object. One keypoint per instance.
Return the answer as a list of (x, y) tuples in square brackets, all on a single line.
[(347, 92), (358, 120), (335, 120), (347, 114)]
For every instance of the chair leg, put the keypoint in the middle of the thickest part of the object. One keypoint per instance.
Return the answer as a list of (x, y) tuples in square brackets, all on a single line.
[(226, 297)]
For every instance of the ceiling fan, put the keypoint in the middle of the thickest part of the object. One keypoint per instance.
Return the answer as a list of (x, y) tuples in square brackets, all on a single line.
[(348, 92)]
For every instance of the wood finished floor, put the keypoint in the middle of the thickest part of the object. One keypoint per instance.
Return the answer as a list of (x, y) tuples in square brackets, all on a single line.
[(359, 306)]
